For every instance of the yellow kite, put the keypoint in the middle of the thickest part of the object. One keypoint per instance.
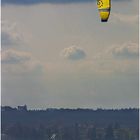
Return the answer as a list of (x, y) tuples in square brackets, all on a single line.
[(104, 7)]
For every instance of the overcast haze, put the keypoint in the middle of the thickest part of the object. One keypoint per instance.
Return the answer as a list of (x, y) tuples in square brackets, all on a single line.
[(57, 53)]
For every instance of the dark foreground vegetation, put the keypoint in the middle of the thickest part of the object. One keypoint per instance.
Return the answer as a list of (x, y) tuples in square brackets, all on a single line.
[(69, 124)]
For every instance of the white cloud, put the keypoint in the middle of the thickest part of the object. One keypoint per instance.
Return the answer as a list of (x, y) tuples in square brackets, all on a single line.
[(73, 53), (14, 57), (10, 34), (127, 50), (121, 58), (16, 62)]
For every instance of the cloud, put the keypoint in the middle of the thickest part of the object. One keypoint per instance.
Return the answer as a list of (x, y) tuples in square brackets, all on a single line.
[(129, 19), (14, 61), (10, 35), (121, 58), (127, 50), (14, 57), (30, 2), (73, 53)]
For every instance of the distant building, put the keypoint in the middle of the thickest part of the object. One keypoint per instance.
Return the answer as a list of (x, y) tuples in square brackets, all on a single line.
[(22, 108)]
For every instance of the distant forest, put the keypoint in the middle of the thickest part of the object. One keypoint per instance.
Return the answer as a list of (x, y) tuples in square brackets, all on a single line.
[(69, 124)]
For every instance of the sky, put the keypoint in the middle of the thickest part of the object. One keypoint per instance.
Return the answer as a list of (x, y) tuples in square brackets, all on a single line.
[(57, 53)]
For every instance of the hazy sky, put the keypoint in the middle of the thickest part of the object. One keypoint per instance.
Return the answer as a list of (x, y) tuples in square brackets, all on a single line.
[(57, 53)]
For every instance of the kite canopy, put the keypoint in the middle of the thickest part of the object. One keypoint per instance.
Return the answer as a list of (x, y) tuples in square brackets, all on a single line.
[(104, 7)]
